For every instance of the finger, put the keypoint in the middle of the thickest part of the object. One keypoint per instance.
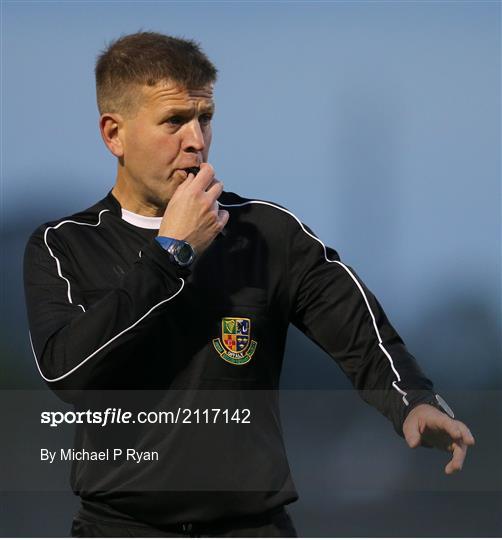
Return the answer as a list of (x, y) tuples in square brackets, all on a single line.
[(214, 181), (457, 461), (411, 432), (181, 176), (215, 190), (466, 434), (189, 179), (450, 426), (204, 177), (223, 216)]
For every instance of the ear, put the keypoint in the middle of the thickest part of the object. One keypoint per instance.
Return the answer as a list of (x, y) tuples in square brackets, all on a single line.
[(111, 128)]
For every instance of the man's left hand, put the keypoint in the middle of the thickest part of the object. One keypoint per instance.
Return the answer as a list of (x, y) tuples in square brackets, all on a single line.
[(427, 426)]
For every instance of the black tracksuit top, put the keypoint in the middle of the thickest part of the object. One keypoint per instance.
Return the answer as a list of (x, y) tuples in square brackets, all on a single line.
[(109, 310)]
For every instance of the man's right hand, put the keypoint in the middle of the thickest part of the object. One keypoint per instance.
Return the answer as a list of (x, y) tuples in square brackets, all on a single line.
[(193, 214)]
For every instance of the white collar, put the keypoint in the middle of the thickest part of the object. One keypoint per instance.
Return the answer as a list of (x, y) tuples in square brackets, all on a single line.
[(145, 222)]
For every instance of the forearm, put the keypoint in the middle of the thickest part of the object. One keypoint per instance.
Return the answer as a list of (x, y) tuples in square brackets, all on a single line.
[(70, 340), (335, 309)]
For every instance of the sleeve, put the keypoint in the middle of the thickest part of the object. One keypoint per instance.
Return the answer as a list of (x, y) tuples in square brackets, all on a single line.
[(333, 307), (69, 340)]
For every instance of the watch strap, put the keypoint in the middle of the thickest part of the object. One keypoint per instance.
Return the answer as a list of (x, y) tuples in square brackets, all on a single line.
[(438, 402)]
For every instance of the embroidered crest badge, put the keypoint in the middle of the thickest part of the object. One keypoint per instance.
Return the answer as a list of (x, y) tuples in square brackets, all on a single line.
[(235, 345)]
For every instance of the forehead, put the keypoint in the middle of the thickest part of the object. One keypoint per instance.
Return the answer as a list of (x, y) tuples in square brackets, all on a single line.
[(164, 96)]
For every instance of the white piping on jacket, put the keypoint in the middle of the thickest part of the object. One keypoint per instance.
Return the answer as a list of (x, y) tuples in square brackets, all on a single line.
[(57, 260), (71, 302), (108, 342), (380, 343)]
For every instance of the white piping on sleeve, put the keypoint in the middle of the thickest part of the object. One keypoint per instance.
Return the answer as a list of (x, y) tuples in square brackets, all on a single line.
[(380, 343), (58, 265), (108, 342)]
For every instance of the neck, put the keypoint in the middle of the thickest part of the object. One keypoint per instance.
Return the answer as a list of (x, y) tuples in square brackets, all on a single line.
[(134, 201)]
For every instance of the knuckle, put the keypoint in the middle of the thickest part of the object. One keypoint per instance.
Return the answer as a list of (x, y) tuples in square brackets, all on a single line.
[(207, 205), (189, 188), (216, 186), (213, 219)]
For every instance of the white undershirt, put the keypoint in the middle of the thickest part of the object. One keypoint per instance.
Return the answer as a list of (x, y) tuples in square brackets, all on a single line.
[(145, 222)]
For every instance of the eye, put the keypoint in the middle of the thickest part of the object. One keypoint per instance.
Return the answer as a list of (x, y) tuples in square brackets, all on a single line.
[(175, 120), (205, 119)]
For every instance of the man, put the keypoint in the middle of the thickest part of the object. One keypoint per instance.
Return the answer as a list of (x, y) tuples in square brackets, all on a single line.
[(173, 286)]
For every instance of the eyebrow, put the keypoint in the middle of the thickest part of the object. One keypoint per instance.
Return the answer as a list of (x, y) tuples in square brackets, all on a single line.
[(184, 111)]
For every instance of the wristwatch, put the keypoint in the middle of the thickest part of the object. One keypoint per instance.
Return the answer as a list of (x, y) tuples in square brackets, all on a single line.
[(182, 253), (438, 402)]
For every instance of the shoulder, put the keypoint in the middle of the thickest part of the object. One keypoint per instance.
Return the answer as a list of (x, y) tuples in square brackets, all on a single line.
[(277, 222), (261, 210), (66, 226)]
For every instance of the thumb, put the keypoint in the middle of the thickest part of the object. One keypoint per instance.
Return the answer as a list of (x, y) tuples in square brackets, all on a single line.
[(412, 434), (413, 441)]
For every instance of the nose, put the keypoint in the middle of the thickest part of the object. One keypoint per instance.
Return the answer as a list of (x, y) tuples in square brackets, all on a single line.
[(193, 137)]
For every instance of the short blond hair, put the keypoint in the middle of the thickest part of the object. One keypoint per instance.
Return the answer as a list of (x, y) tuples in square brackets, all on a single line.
[(147, 58)]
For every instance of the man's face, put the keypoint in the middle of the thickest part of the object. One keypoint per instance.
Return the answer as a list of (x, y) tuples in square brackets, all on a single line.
[(170, 132)]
